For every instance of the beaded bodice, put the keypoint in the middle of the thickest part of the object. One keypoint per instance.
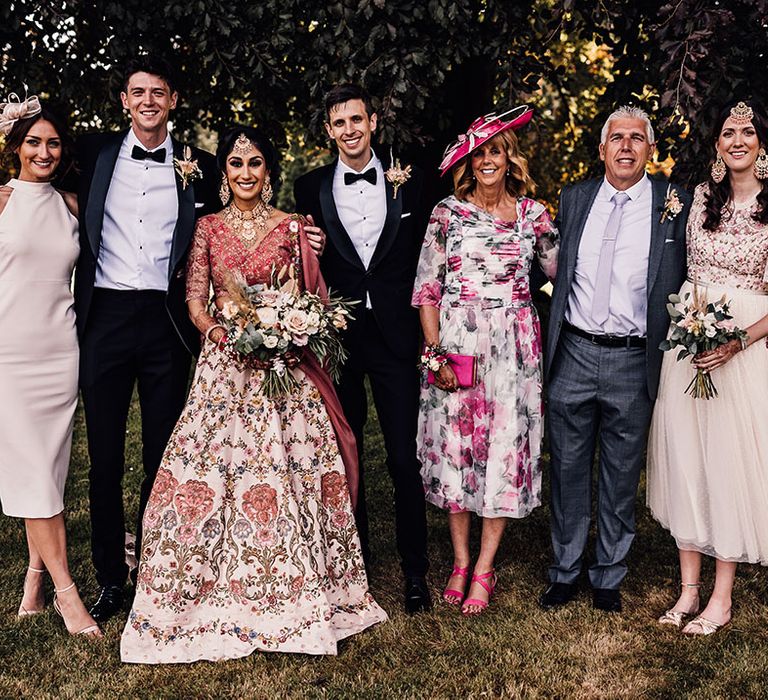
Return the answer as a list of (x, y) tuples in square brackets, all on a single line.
[(735, 255)]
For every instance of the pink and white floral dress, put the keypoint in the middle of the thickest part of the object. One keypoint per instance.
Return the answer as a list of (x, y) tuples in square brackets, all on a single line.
[(249, 537), (480, 447)]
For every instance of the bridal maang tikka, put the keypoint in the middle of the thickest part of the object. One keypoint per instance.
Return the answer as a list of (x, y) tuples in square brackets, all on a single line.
[(742, 113), (242, 145)]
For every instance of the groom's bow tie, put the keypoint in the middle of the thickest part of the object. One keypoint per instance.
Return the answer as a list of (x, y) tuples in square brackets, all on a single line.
[(352, 178), (138, 153)]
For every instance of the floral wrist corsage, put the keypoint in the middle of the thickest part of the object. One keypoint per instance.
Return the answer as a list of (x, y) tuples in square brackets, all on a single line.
[(433, 357)]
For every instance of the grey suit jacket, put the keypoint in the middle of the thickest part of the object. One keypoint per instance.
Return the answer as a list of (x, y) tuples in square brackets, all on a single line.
[(666, 266)]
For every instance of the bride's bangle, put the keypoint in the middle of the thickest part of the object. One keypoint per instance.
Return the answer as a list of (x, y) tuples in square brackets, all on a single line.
[(213, 327), (744, 341)]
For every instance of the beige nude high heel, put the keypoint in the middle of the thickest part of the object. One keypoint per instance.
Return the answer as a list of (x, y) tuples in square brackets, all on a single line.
[(23, 612), (90, 630), (676, 617)]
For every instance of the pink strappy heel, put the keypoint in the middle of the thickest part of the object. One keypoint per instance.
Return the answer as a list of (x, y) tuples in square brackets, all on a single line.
[(451, 593), (488, 581)]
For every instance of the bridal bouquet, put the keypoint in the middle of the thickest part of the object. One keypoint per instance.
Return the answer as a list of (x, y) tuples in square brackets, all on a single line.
[(698, 326), (270, 326)]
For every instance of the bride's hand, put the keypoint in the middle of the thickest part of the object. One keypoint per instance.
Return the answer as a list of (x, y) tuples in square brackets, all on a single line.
[(712, 359), (292, 359)]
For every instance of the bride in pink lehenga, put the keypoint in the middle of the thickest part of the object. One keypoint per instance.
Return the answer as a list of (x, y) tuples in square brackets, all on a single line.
[(249, 538)]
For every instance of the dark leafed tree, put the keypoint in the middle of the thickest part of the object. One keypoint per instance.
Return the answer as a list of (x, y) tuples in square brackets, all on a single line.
[(433, 64)]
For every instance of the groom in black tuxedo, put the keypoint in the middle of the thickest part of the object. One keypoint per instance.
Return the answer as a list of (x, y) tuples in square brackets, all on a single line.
[(137, 216), (373, 242)]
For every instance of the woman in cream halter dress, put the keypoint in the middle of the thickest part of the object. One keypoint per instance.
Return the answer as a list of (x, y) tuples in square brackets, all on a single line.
[(38, 357)]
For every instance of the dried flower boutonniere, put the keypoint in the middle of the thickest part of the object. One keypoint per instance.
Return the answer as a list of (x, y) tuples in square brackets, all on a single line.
[(187, 168), (672, 205), (397, 175)]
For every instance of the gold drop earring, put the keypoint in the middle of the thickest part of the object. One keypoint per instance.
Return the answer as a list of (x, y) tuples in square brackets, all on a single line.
[(224, 191), (761, 165), (266, 192), (718, 169)]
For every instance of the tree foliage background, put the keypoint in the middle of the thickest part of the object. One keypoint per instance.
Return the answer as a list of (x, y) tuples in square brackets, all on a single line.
[(434, 66)]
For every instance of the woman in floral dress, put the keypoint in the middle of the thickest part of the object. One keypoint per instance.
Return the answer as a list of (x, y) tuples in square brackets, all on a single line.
[(249, 538), (708, 460), (480, 446)]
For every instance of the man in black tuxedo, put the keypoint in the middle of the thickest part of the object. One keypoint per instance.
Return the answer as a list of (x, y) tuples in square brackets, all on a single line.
[(137, 216), (373, 242)]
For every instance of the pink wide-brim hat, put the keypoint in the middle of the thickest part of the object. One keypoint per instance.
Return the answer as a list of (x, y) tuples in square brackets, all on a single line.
[(481, 130)]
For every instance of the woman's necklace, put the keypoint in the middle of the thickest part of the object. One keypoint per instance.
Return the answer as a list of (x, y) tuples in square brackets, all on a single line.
[(248, 224)]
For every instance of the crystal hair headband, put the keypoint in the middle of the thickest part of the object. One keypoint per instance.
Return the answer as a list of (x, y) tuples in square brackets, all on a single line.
[(742, 113), (14, 109)]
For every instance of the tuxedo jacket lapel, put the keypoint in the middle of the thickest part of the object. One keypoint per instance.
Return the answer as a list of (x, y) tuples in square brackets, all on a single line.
[(99, 186), (185, 220), (335, 229), (391, 223)]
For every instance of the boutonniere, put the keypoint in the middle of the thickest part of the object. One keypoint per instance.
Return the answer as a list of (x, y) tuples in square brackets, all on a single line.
[(187, 169), (397, 174), (672, 205)]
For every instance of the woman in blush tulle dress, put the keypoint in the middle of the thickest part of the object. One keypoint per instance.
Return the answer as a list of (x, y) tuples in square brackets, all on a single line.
[(249, 537), (480, 445), (708, 460)]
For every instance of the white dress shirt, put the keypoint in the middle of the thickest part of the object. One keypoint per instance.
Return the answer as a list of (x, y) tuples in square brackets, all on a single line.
[(362, 208), (629, 300), (140, 215)]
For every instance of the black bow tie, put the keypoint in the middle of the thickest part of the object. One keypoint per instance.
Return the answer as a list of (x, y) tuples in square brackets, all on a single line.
[(352, 178), (138, 153)]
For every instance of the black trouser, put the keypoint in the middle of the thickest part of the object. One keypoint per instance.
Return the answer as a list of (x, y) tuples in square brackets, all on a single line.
[(395, 386), (129, 339)]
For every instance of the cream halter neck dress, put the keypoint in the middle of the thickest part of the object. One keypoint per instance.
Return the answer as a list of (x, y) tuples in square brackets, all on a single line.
[(38, 349)]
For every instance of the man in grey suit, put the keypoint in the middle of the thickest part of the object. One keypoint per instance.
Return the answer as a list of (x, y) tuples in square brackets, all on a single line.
[(622, 253)]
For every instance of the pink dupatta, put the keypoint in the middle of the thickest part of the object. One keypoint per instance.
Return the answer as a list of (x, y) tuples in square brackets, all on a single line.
[(314, 282)]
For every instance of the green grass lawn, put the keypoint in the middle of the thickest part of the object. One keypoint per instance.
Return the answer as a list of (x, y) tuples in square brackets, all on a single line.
[(514, 650)]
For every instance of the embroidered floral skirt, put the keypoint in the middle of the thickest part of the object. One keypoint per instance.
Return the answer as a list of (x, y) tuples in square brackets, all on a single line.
[(480, 447), (249, 538)]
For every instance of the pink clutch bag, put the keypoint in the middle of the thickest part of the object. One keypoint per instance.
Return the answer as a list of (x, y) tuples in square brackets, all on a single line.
[(465, 368)]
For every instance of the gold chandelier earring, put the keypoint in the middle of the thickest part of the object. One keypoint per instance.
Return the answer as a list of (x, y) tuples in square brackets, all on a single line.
[(224, 192), (761, 165), (266, 192), (718, 169)]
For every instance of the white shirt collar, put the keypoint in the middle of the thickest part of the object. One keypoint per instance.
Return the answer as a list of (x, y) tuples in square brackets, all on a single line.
[(634, 192), (132, 140), (342, 167)]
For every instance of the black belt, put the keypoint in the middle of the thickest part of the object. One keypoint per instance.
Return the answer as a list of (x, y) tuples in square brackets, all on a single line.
[(609, 341)]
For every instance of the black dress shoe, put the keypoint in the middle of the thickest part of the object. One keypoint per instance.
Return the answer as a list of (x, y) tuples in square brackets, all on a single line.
[(607, 599), (417, 598), (558, 594), (110, 602)]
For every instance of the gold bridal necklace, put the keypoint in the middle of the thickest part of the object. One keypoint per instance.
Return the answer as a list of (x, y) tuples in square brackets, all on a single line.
[(248, 224)]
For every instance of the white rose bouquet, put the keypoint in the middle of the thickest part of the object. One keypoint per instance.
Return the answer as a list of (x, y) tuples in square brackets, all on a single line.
[(270, 327), (699, 326)]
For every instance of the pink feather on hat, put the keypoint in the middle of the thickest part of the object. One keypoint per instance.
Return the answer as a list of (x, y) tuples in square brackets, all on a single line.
[(481, 130)]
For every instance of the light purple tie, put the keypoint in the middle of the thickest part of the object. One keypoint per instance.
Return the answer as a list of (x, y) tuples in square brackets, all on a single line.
[(601, 300)]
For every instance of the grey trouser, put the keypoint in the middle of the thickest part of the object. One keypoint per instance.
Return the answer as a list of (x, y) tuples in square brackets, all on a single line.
[(595, 392)]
